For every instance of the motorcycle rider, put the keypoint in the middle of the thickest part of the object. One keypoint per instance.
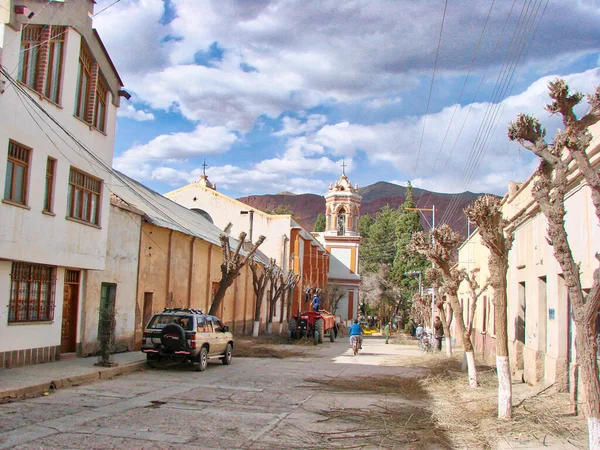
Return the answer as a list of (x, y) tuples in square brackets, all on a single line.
[(356, 330)]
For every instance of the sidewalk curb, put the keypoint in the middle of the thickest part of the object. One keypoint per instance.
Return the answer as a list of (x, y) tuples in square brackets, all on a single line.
[(96, 374)]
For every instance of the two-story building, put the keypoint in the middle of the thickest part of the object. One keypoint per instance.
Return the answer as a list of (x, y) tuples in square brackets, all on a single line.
[(59, 94)]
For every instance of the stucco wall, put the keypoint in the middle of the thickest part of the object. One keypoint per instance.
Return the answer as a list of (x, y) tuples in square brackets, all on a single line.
[(72, 244), (224, 209), (33, 334), (121, 269), (167, 264)]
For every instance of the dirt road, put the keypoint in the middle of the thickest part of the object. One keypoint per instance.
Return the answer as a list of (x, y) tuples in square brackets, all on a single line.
[(256, 403)]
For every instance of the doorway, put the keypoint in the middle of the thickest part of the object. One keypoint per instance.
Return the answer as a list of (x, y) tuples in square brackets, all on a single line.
[(106, 314), (69, 312), (147, 313)]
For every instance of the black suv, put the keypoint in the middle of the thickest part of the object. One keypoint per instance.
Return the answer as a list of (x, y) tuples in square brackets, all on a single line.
[(183, 334)]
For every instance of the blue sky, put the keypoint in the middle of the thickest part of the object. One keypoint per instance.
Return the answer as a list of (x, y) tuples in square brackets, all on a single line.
[(275, 94)]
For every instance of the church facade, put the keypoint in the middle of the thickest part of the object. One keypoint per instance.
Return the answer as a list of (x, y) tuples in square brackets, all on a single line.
[(341, 239)]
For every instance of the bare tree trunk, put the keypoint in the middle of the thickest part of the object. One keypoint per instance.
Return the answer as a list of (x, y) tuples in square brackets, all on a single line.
[(499, 269), (466, 340)]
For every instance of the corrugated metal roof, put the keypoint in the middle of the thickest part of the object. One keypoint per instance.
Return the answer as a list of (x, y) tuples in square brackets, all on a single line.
[(160, 211)]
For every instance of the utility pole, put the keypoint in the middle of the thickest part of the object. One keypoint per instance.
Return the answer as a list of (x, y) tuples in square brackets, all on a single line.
[(432, 227)]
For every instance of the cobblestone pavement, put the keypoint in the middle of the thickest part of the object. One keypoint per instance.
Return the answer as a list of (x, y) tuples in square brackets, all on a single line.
[(252, 404)]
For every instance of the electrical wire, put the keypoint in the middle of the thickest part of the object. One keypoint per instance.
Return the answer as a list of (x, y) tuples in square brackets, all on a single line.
[(513, 58), (437, 54)]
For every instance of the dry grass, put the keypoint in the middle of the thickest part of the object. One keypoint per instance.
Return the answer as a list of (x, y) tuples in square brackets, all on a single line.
[(268, 347), (439, 409)]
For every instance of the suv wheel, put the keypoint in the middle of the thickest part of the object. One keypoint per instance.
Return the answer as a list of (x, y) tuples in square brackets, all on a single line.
[(202, 361), (227, 357)]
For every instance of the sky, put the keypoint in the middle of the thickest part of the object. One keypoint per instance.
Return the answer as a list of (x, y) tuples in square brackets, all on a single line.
[(275, 95)]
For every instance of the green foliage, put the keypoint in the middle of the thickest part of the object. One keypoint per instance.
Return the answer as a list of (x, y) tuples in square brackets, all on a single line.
[(364, 224), (408, 223), (384, 251), (320, 223), (281, 210), (378, 247)]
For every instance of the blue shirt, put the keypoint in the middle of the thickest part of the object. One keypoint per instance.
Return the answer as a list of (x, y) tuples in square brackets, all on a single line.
[(355, 329)]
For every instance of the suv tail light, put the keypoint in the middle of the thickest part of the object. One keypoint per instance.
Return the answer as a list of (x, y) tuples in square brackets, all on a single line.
[(192, 337)]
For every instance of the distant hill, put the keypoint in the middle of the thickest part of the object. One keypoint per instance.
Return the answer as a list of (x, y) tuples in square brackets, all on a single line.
[(306, 207)]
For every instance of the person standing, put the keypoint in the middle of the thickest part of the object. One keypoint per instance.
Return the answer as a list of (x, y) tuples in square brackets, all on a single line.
[(316, 302), (386, 332), (438, 332)]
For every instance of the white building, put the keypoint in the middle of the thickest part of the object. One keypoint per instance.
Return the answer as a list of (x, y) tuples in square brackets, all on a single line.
[(55, 204)]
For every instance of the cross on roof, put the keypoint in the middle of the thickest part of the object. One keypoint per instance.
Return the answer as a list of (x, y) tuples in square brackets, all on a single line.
[(343, 167), (204, 166)]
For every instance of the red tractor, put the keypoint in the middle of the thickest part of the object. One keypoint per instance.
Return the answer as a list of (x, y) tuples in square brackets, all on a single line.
[(313, 325)]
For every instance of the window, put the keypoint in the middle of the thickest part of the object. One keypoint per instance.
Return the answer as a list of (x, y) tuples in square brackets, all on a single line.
[(40, 59), (100, 107), (83, 201), (17, 171), (82, 104), (92, 93), (32, 292), (49, 193)]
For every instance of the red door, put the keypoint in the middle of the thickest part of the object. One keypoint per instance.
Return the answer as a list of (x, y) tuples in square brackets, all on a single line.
[(69, 316)]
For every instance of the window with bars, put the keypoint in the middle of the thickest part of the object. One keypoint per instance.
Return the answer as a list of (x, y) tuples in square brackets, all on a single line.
[(83, 201), (49, 192), (17, 173), (92, 93), (41, 59), (32, 292)]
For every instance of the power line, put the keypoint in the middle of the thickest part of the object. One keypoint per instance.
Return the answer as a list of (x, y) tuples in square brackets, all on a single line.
[(521, 36), (437, 54), (460, 97)]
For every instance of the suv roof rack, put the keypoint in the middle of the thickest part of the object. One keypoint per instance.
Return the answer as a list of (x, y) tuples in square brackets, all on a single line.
[(184, 310)]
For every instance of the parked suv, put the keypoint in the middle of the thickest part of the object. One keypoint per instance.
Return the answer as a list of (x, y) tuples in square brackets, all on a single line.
[(183, 334)]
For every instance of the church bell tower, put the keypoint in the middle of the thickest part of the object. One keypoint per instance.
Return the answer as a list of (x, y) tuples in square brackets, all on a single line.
[(342, 204)]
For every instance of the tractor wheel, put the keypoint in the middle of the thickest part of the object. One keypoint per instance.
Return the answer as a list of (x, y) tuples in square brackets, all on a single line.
[(291, 333), (332, 335), (315, 337), (319, 325)]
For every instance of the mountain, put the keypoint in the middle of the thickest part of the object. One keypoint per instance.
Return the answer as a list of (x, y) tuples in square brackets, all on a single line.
[(306, 207)]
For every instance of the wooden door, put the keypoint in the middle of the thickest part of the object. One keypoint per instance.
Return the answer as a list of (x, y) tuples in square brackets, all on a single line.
[(69, 316)]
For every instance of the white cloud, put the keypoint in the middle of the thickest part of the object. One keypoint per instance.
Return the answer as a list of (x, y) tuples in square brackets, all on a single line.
[(177, 147), (138, 115), (293, 126)]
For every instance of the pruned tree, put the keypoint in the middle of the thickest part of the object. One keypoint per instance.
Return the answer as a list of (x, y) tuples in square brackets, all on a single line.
[(289, 298), (439, 250), (278, 282), (231, 267), (486, 213), (290, 282), (549, 190), (434, 277), (421, 309), (260, 279)]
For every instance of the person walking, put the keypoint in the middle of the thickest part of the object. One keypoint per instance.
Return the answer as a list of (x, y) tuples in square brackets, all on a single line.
[(438, 332), (386, 332)]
